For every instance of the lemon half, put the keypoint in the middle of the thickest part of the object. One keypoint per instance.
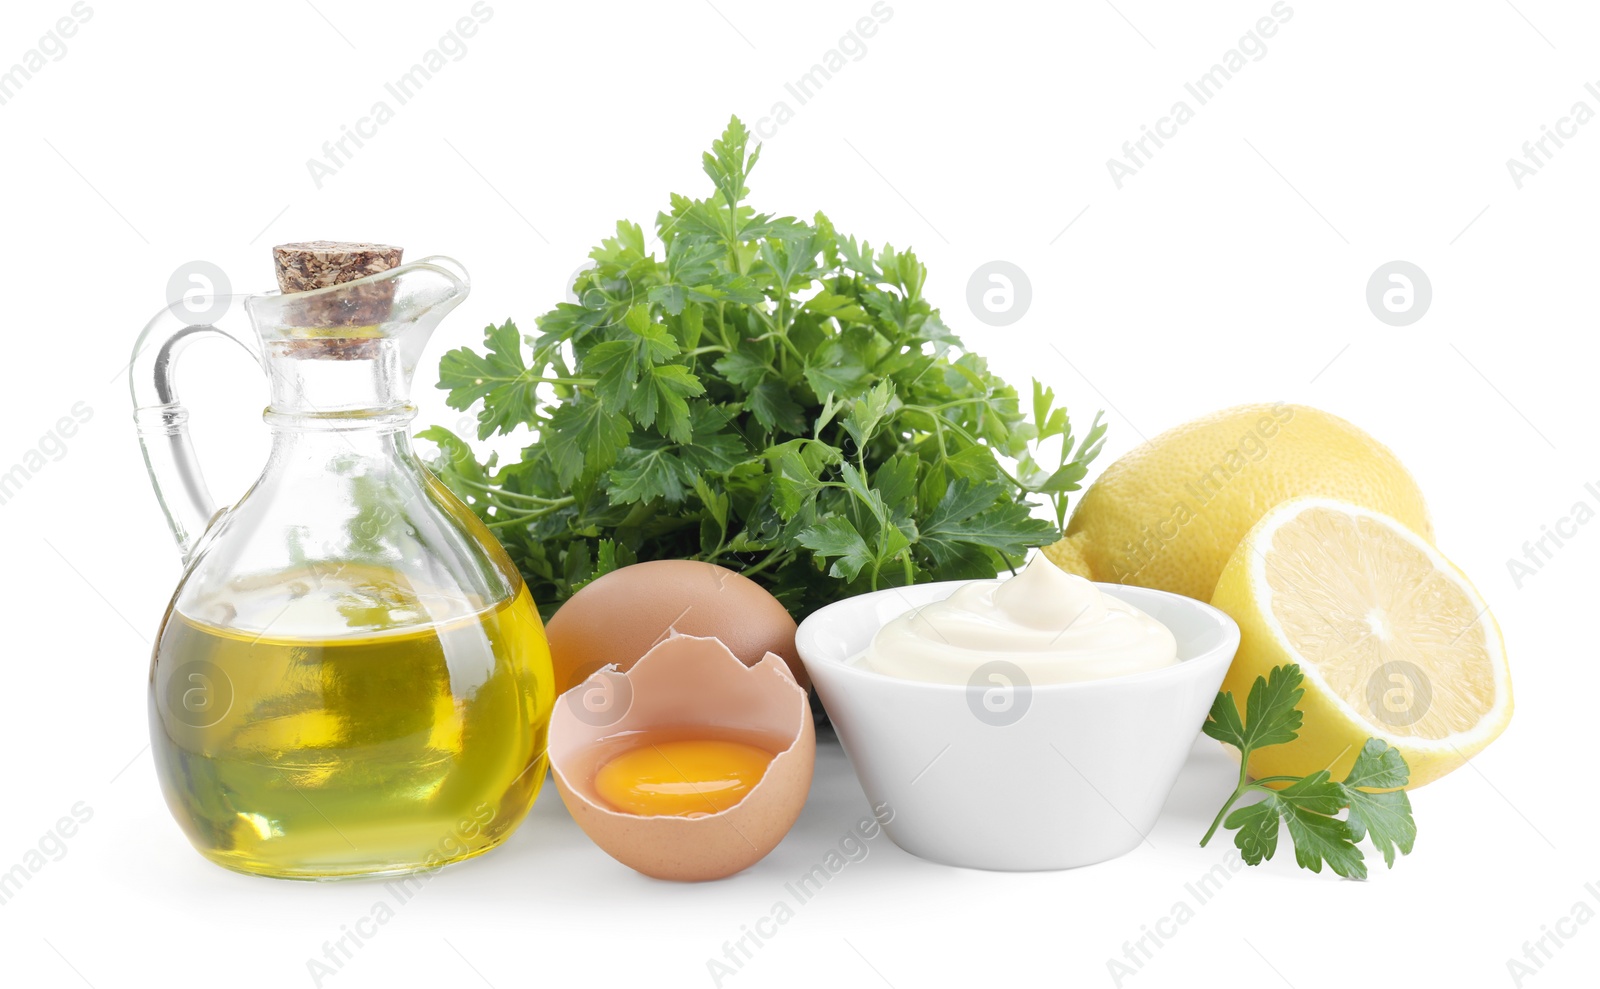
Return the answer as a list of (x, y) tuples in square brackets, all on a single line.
[(1394, 641)]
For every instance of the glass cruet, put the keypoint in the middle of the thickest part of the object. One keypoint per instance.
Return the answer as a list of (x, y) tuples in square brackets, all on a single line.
[(351, 678)]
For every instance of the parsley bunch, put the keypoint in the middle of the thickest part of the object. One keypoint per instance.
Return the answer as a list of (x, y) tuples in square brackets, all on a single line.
[(1377, 809), (766, 395)]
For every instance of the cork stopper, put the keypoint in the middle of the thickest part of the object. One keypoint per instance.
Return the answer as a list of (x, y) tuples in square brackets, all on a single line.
[(339, 325)]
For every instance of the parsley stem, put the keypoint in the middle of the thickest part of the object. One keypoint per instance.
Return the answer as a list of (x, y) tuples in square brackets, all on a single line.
[(766, 562), (980, 400), (722, 329), (575, 382), (492, 490), (556, 505), (939, 425), (781, 337), (1238, 791)]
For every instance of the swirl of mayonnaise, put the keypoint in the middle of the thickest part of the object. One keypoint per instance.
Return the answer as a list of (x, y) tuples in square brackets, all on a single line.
[(1057, 627)]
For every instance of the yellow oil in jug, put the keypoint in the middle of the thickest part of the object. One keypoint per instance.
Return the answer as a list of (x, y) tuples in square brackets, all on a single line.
[(413, 740)]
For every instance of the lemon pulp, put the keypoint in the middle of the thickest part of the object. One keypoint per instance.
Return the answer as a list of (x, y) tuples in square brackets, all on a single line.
[(1358, 600)]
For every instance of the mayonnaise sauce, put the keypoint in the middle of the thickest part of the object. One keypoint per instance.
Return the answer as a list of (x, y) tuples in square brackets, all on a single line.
[(1057, 627)]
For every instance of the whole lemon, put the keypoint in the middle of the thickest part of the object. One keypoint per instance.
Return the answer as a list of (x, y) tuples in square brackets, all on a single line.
[(1170, 512)]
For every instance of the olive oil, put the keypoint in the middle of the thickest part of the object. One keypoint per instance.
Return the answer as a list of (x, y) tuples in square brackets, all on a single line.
[(414, 739)]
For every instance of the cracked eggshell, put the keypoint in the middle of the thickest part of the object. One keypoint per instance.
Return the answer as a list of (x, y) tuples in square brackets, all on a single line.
[(618, 617), (686, 682)]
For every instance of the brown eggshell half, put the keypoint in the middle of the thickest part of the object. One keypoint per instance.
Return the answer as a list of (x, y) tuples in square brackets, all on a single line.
[(686, 682), (618, 617)]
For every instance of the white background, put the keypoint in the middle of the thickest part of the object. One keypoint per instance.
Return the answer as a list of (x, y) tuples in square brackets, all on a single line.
[(1232, 268)]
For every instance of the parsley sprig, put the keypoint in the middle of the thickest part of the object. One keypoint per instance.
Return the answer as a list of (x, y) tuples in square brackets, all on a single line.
[(1377, 809), (763, 393)]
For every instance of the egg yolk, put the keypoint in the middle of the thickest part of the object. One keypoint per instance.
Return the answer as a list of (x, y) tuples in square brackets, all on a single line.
[(688, 778)]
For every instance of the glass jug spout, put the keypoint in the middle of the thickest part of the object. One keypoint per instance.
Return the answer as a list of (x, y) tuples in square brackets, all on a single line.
[(353, 347), (346, 352)]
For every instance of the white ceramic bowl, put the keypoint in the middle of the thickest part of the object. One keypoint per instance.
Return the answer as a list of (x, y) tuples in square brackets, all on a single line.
[(1005, 776)]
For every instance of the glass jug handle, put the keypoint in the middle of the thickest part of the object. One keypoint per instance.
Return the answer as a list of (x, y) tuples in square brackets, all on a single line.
[(162, 420)]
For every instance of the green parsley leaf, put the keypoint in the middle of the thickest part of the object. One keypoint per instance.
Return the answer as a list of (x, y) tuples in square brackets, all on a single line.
[(1258, 830), (1384, 817), (650, 470), (981, 515), (834, 536), (1272, 714), (1378, 767), (661, 395), (583, 439), (1319, 837), (1309, 806), (498, 378)]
